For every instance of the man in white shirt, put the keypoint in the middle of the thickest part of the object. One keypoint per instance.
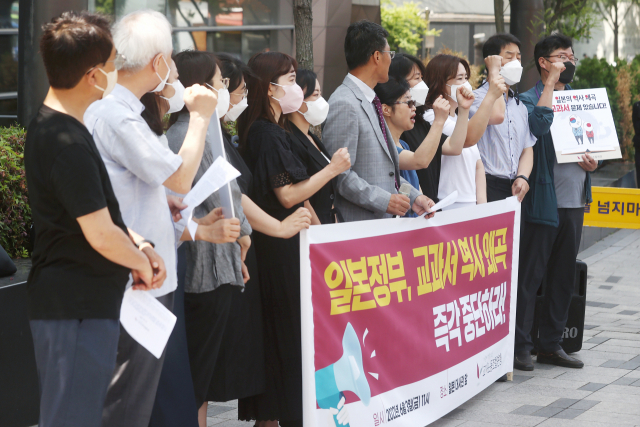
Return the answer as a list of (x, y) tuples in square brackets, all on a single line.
[(369, 190), (140, 168)]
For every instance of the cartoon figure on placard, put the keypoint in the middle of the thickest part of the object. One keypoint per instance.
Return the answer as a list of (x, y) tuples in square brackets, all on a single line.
[(576, 128), (345, 374), (589, 132)]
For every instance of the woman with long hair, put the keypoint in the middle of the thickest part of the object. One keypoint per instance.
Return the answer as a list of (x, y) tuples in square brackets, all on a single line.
[(281, 185), (446, 75), (239, 372), (424, 135), (213, 271), (308, 147)]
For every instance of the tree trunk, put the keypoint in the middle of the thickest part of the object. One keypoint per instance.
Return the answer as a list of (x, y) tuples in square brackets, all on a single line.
[(526, 26), (498, 10), (616, 28), (303, 21)]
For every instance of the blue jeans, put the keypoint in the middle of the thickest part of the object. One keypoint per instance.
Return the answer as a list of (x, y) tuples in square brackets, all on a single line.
[(75, 360)]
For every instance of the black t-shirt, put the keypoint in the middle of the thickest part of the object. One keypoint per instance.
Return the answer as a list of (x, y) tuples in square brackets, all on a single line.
[(67, 179), (430, 176)]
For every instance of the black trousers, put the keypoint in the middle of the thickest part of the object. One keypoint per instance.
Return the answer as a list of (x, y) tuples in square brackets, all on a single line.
[(498, 188), (550, 250)]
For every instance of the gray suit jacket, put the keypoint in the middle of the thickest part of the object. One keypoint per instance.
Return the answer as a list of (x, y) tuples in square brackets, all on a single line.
[(364, 191)]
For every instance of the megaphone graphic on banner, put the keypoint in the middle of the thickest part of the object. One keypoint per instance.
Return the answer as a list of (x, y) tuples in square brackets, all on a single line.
[(346, 374)]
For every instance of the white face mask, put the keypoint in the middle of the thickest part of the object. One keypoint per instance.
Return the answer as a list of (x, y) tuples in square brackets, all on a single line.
[(112, 79), (224, 99), (235, 111), (454, 90), (316, 111), (162, 81), (511, 72), (176, 102), (419, 93)]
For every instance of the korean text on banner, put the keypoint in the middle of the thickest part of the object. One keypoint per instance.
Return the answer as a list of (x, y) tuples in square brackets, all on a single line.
[(404, 320), (613, 208), (582, 122)]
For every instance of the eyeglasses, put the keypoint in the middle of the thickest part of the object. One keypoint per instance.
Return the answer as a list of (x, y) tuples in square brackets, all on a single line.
[(244, 93), (225, 82), (564, 58), (411, 103), (391, 53)]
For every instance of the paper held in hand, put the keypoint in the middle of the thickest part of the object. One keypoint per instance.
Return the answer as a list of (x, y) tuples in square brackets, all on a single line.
[(449, 200), (582, 123), (218, 174), (147, 321)]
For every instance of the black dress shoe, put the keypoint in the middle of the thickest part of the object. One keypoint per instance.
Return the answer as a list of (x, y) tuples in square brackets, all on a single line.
[(560, 358), (522, 361)]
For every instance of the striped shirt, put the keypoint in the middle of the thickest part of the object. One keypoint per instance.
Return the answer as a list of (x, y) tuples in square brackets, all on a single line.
[(501, 145)]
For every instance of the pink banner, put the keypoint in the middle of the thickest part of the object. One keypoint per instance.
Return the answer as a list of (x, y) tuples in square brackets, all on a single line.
[(420, 302)]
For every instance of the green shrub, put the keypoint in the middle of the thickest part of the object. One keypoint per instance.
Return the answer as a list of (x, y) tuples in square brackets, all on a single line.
[(15, 213)]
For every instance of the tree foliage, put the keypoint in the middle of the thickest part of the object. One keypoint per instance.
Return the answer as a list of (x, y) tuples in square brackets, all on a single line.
[(405, 25), (573, 18), (611, 12)]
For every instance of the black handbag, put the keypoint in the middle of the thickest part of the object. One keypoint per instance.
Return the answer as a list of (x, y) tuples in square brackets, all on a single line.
[(7, 267)]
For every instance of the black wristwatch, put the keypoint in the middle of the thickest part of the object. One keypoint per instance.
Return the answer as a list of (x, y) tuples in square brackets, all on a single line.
[(523, 177), (141, 242)]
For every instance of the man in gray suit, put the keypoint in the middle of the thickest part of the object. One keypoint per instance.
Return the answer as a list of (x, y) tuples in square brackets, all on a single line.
[(369, 190)]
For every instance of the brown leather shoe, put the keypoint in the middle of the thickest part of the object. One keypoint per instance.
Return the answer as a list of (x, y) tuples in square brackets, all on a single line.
[(560, 358)]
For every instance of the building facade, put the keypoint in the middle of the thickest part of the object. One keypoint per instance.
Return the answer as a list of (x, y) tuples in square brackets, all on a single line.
[(238, 27)]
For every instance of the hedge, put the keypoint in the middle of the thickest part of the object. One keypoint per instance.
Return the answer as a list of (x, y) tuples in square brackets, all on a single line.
[(15, 213)]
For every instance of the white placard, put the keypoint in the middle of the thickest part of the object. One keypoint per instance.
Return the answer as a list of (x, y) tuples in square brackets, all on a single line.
[(217, 148), (583, 123), (218, 174), (147, 321)]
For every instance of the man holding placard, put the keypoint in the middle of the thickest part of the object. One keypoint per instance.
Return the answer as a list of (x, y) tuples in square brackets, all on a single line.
[(553, 214)]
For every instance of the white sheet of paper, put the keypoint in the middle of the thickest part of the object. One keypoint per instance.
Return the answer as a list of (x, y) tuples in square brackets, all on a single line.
[(214, 133), (147, 321), (218, 174), (449, 200)]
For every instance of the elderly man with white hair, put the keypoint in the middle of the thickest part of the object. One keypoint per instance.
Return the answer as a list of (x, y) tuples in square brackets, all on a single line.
[(140, 168)]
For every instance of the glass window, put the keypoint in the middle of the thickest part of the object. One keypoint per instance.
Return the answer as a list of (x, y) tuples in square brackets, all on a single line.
[(8, 61), (212, 13)]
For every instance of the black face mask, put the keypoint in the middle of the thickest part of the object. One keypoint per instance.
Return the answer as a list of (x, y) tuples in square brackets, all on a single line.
[(566, 76)]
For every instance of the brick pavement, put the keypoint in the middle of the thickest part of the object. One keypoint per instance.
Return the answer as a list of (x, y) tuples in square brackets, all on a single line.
[(606, 392)]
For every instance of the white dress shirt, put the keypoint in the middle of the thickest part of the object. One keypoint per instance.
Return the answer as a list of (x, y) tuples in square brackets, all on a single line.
[(138, 166), (366, 90)]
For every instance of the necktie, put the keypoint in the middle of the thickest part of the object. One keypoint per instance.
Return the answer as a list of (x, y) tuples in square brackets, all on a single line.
[(378, 105)]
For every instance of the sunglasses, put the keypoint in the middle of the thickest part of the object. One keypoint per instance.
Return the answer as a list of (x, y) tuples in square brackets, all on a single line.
[(411, 103)]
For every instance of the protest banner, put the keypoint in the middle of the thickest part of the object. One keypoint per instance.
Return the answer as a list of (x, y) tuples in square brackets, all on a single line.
[(403, 320), (613, 208), (582, 122)]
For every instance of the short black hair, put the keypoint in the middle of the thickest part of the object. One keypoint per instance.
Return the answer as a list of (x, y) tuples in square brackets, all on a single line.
[(362, 40), (392, 90), (401, 66), (495, 44), (233, 69), (306, 79), (548, 44), (72, 44)]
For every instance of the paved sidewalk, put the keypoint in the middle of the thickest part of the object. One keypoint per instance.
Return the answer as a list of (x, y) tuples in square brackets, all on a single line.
[(606, 392)]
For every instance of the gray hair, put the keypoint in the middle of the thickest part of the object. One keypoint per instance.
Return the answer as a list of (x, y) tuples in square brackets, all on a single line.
[(140, 36)]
